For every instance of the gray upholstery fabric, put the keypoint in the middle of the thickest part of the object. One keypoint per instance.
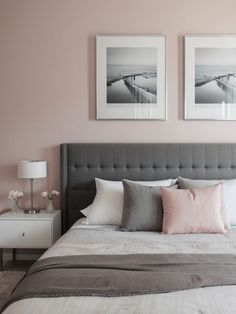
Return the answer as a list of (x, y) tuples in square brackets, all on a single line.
[(185, 183), (142, 209), (81, 163)]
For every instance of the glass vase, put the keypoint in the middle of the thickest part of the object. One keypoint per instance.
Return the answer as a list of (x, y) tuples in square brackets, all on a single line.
[(15, 206), (50, 207)]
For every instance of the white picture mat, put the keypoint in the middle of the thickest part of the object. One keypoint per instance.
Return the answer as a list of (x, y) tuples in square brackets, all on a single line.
[(137, 110), (218, 111)]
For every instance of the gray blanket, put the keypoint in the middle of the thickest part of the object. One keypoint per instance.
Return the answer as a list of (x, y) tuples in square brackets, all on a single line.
[(124, 275)]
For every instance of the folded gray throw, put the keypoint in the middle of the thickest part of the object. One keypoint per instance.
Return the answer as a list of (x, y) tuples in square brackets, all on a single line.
[(124, 275)]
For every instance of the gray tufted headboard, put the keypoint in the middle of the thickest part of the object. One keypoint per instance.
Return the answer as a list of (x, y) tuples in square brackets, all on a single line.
[(81, 163)]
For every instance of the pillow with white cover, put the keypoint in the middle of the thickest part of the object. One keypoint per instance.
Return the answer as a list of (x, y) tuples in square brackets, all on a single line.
[(229, 193), (107, 207)]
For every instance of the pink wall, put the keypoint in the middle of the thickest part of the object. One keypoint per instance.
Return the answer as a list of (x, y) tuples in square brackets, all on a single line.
[(47, 76)]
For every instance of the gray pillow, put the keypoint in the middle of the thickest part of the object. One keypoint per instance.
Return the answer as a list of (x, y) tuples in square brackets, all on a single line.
[(142, 209), (229, 192), (185, 183)]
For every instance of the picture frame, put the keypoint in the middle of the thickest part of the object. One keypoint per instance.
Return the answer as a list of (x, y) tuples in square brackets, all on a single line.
[(131, 77), (210, 77)]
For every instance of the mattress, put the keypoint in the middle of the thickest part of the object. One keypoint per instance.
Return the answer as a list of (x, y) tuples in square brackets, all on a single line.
[(83, 239)]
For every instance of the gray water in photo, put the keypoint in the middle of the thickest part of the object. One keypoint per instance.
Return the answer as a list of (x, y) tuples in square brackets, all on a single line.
[(131, 75), (209, 89), (118, 91)]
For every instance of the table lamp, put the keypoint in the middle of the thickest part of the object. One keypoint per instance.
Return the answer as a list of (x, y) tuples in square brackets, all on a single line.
[(32, 169)]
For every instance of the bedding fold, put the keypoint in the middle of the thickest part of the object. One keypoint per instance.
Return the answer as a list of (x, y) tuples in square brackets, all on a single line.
[(123, 275)]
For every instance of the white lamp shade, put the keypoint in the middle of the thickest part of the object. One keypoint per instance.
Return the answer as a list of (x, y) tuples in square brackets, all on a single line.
[(30, 169)]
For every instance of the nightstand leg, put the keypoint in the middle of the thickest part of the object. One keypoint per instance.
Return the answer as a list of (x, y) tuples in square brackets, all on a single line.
[(1, 259)]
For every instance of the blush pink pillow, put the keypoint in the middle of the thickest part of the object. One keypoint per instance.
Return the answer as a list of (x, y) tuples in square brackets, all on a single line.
[(192, 211)]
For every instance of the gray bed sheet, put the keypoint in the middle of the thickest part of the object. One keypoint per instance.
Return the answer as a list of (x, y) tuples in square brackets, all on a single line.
[(82, 239)]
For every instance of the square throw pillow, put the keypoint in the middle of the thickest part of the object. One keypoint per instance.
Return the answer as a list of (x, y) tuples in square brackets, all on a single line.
[(228, 206), (192, 210), (107, 207), (142, 210)]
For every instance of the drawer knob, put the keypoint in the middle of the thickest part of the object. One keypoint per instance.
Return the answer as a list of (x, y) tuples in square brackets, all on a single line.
[(23, 234)]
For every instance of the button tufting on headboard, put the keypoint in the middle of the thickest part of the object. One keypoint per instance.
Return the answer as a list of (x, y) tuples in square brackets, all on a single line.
[(81, 163)]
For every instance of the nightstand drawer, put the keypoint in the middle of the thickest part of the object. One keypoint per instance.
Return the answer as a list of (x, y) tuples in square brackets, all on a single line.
[(29, 234)]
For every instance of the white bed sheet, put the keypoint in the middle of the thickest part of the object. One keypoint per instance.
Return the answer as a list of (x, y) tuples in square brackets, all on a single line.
[(84, 239)]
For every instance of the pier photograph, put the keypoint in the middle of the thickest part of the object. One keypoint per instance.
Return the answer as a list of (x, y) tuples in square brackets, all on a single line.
[(131, 75), (215, 75)]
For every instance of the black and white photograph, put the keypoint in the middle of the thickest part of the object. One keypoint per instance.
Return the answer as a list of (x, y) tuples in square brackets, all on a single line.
[(131, 75), (131, 78), (210, 77), (215, 75)]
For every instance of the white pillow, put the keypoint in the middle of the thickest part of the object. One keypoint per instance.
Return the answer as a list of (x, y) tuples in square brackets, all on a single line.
[(86, 211), (229, 190), (107, 207)]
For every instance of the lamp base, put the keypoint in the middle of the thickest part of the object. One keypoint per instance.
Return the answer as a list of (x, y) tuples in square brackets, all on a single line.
[(31, 211)]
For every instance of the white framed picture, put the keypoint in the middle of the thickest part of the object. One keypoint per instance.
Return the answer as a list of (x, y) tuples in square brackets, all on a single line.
[(131, 77), (210, 77)]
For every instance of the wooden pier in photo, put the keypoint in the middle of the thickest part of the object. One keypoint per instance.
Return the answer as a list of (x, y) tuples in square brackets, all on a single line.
[(223, 82), (140, 93), (222, 79)]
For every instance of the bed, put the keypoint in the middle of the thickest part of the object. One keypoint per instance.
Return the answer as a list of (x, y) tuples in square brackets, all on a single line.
[(80, 164)]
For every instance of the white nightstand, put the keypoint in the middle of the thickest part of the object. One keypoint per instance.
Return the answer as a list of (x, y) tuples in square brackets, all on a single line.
[(32, 231)]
